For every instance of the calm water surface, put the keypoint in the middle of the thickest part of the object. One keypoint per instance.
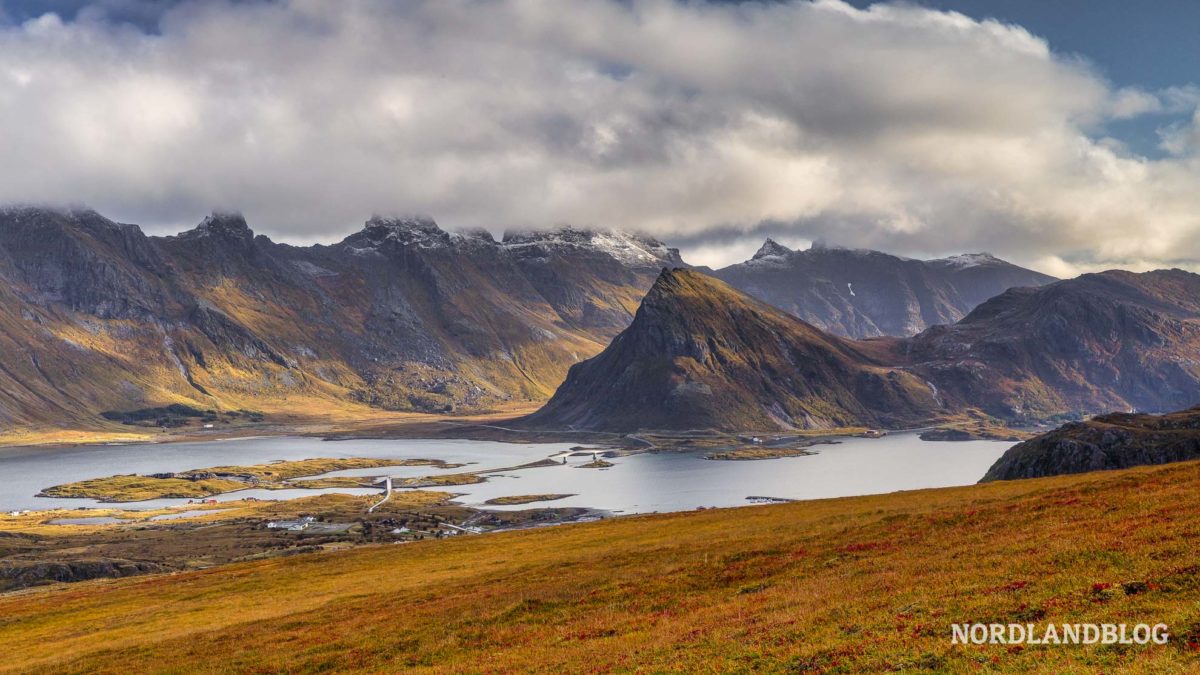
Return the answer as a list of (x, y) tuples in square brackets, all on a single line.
[(635, 484)]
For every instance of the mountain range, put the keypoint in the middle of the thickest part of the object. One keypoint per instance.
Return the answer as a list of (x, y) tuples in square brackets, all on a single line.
[(860, 293), (700, 354), (97, 316)]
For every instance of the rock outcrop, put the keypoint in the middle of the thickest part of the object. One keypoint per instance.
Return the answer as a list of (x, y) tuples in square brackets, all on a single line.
[(1116, 441)]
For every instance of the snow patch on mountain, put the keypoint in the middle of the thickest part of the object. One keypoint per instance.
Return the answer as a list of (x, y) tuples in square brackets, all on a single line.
[(771, 249), (969, 260), (419, 232), (629, 249)]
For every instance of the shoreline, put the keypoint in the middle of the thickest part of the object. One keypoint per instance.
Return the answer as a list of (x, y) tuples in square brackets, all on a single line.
[(486, 425)]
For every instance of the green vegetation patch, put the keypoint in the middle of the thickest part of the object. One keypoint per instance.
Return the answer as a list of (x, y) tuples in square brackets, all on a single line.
[(176, 415)]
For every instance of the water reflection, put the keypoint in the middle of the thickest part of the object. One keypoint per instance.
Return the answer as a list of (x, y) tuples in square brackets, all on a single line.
[(634, 484)]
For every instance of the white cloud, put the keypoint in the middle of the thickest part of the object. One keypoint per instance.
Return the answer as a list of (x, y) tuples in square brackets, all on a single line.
[(896, 126), (1129, 102)]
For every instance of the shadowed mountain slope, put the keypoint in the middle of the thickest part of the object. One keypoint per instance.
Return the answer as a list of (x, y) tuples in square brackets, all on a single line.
[(700, 354), (95, 315), (1101, 342), (860, 293)]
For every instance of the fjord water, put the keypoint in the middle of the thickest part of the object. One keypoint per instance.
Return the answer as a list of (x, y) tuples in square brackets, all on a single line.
[(642, 483), (26, 471), (673, 481)]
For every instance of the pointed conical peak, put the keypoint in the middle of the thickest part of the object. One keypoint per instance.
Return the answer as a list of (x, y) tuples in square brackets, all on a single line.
[(680, 285), (770, 248)]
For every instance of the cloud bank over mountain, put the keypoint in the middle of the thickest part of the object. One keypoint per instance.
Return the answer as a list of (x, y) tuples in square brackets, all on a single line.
[(895, 127)]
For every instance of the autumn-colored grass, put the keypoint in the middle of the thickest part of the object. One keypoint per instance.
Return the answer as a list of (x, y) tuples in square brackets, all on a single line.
[(752, 452), (513, 500), (596, 464), (42, 436), (134, 488), (866, 584), (281, 471), (441, 480), (295, 415), (42, 522)]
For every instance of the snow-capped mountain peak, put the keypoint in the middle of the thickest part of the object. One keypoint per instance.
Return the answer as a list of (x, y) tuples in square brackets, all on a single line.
[(969, 260), (771, 248), (407, 231), (627, 248)]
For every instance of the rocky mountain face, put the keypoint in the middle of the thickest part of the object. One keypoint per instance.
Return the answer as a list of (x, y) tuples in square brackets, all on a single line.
[(700, 354), (1100, 342), (1115, 441), (96, 316), (860, 293)]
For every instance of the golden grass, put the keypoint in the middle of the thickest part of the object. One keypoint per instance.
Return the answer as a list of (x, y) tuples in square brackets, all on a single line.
[(276, 472), (444, 479), (39, 522), (863, 584), (758, 452), (526, 499), (595, 464), (294, 415), (134, 488), (42, 436)]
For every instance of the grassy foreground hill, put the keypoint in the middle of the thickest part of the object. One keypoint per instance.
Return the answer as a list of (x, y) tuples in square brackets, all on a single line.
[(842, 585)]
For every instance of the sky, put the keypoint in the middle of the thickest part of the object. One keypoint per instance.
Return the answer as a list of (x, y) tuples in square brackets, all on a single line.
[(1060, 135)]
